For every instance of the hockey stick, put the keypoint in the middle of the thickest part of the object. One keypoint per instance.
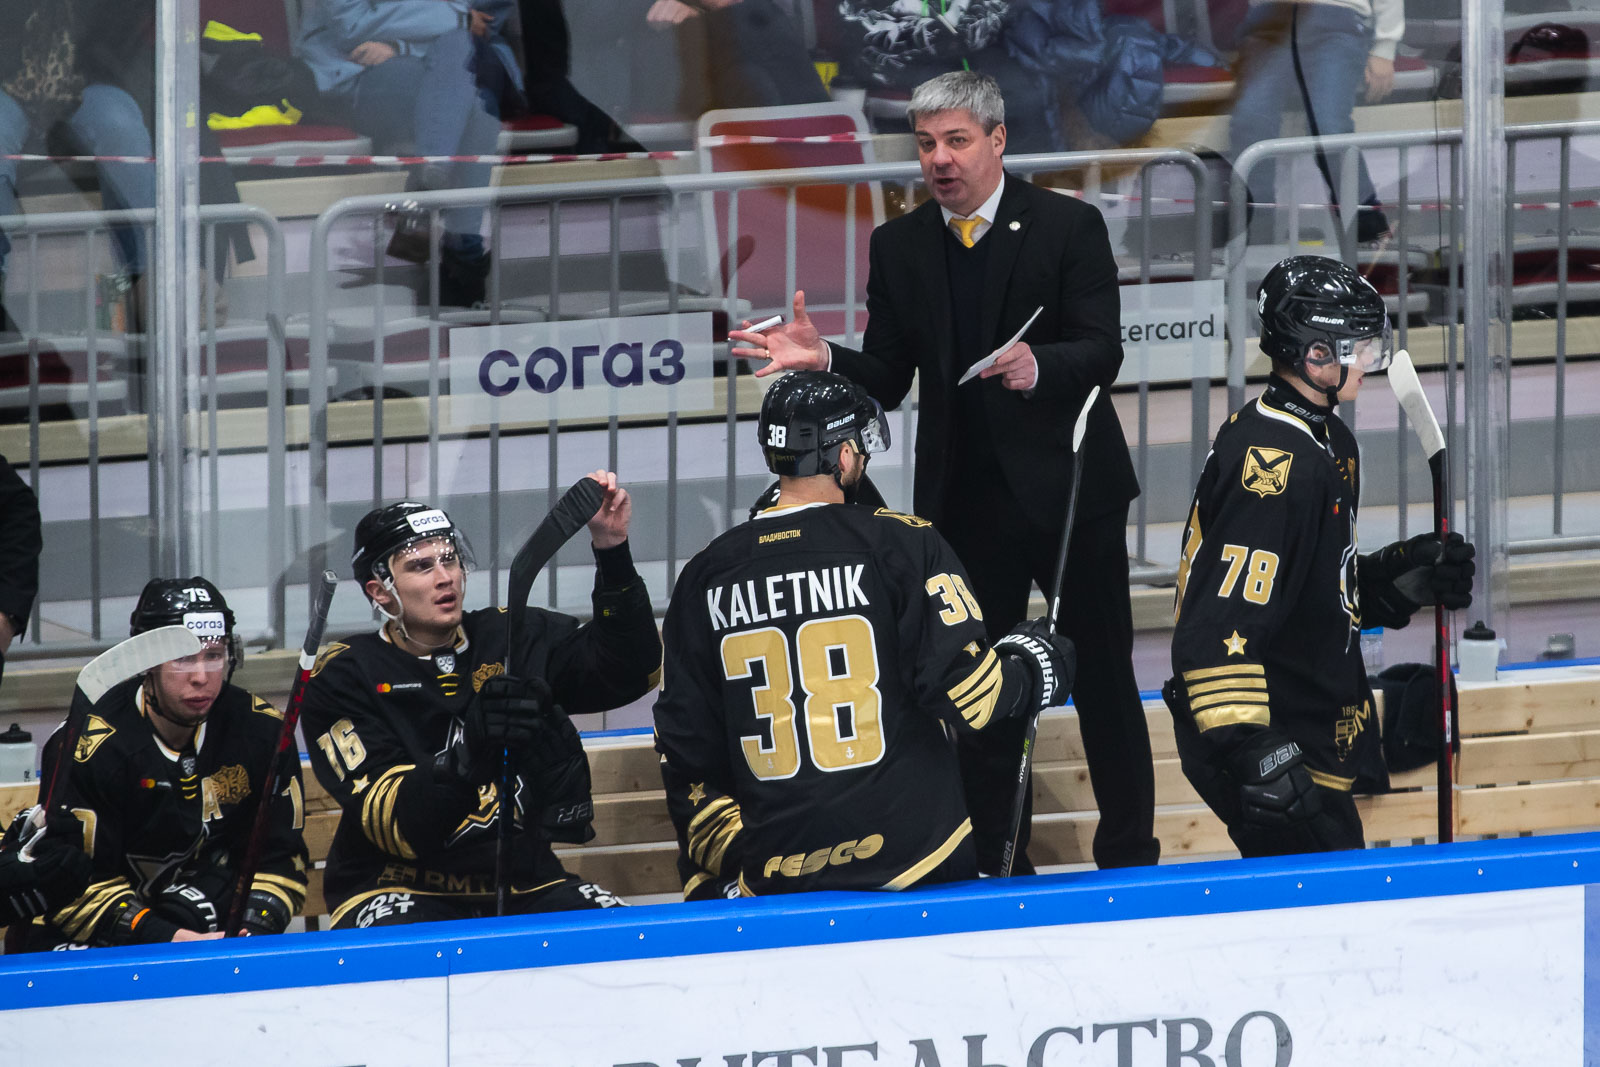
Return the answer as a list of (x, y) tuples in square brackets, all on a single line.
[(571, 513), (269, 781), (133, 657), (1008, 852), (1408, 390)]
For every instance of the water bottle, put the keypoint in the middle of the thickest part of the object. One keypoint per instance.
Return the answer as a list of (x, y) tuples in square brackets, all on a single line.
[(1372, 649), (18, 756), (1478, 654)]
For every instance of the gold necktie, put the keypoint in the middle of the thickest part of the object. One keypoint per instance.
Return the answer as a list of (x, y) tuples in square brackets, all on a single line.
[(964, 228)]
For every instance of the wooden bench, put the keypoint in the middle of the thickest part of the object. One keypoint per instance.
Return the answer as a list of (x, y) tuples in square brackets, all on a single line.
[(1530, 762)]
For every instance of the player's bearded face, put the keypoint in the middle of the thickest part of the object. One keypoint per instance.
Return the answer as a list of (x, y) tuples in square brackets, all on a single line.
[(430, 579), (186, 688), (960, 162)]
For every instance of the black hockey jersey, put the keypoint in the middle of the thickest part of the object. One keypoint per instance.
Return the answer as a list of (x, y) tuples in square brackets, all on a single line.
[(814, 656), (376, 716), (1268, 608), (154, 817)]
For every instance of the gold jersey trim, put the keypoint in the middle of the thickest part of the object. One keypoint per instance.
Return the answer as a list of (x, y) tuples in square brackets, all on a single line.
[(1227, 696), (1233, 715), (1202, 688), (1242, 670), (378, 820), (1331, 781), (917, 871)]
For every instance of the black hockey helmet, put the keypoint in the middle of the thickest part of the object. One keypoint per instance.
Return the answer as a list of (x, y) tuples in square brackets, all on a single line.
[(384, 531), (193, 603), (807, 415), (1307, 302)]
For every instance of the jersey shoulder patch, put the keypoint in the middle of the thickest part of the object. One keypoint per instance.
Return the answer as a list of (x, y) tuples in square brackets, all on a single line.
[(96, 732), (329, 652), (1266, 470), (264, 707), (915, 521)]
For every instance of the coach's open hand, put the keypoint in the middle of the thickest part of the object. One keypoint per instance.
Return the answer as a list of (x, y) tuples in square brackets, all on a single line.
[(796, 345)]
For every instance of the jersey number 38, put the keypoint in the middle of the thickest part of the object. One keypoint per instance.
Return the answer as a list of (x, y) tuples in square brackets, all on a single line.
[(842, 709)]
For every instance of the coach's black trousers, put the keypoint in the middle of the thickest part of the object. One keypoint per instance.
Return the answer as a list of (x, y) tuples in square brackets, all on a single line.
[(1004, 554)]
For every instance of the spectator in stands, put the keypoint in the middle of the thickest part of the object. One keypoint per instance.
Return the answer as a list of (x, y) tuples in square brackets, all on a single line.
[(1315, 56), (20, 543), (547, 49), (900, 46), (753, 54), (424, 77), (55, 63)]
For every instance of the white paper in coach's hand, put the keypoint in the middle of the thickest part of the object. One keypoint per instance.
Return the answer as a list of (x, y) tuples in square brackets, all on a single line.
[(988, 361)]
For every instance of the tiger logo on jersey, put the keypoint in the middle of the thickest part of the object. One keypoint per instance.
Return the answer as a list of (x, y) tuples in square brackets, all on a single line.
[(1266, 470)]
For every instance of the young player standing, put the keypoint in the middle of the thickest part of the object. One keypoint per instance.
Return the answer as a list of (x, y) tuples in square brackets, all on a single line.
[(817, 657), (406, 726), (1270, 700), (163, 780)]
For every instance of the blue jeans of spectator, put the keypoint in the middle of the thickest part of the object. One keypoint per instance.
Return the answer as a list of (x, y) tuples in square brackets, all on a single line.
[(434, 104), (106, 123), (1333, 44)]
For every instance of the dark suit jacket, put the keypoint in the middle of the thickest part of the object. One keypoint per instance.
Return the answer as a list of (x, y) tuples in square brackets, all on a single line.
[(1048, 250), (20, 545)]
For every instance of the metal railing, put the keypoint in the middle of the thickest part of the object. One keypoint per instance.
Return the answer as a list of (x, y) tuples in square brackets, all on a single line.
[(670, 200), (129, 342), (1343, 151)]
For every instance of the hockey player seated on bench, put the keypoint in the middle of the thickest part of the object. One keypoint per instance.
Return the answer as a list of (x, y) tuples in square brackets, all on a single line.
[(852, 627), (162, 780), (406, 726)]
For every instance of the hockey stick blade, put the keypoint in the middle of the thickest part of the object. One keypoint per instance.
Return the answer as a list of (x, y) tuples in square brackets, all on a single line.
[(269, 782), (1414, 402), (133, 657), (1082, 424), (570, 514), (139, 653)]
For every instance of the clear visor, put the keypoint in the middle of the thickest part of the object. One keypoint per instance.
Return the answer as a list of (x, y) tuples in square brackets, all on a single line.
[(450, 553), (1368, 354), (212, 657), (875, 434)]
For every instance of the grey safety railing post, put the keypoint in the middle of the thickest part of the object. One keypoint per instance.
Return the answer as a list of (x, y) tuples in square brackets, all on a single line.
[(317, 524)]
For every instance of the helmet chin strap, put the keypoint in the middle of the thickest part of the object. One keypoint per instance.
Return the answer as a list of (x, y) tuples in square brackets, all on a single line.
[(1330, 394), (152, 700)]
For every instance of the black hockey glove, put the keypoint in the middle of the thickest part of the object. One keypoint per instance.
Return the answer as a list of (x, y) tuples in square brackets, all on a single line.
[(557, 771), (265, 913), (1275, 789), (1049, 659), (507, 713), (187, 906), (57, 874), (1402, 577)]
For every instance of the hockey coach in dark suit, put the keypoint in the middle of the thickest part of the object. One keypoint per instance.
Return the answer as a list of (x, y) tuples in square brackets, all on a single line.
[(950, 282)]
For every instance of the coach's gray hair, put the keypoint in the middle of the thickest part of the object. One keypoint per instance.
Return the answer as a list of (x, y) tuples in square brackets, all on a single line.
[(960, 90)]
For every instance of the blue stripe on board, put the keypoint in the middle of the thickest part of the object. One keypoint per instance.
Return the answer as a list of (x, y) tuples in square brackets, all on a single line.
[(438, 949)]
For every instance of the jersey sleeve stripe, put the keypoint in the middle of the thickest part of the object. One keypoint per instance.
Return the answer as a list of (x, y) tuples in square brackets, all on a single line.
[(700, 878), (717, 847), (978, 713), (1228, 696), (1233, 715), (1331, 781), (80, 917), (705, 813), (916, 871), (289, 890), (1202, 688), (378, 814), (990, 664), (1242, 670)]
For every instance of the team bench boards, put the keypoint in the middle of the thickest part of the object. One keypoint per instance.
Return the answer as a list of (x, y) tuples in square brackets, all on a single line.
[(1530, 762)]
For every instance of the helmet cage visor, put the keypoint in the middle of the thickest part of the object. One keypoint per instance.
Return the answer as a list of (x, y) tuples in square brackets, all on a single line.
[(447, 550), (1370, 353)]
